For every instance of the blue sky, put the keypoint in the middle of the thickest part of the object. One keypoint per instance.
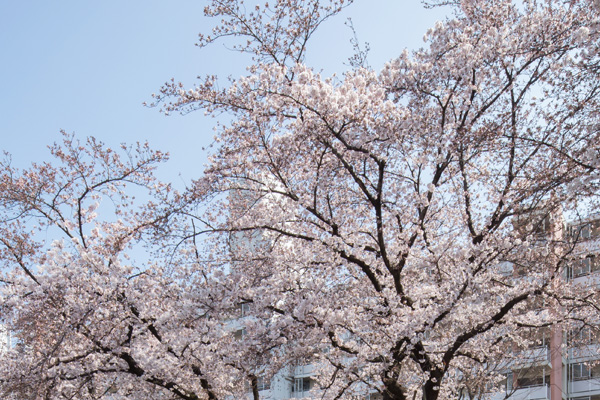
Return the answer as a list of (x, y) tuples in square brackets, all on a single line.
[(87, 67)]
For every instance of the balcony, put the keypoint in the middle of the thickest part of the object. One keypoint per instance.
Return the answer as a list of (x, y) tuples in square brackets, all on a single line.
[(589, 246), (585, 352), (304, 370), (530, 393), (588, 280), (302, 395), (584, 387), (537, 356)]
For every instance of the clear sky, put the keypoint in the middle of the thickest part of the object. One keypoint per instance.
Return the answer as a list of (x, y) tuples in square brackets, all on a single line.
[(87, 67)]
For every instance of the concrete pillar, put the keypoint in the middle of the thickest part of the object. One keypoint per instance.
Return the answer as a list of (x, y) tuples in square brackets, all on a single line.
[(556, 375)]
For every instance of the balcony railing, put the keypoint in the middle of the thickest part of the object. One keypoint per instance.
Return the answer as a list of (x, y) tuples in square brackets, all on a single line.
[(304, 370), (588, 280), (534, 356), (585, 352), (585, 385), (530, 393)]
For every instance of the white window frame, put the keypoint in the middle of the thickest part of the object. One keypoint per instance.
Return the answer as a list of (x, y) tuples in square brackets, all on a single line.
[(244, 309), (583, 266), (300, 384), (240, 334), (263, 383), (580, 371), (584, 231)]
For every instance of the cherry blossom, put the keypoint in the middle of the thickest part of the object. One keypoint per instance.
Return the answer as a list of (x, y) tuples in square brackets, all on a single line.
[(403, 231)]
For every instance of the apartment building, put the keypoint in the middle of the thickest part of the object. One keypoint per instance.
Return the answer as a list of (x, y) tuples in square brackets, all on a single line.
[(563, 362), (560, 364)]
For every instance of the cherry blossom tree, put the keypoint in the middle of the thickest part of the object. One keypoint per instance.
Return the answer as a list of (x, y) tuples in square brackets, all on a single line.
[(399, 229), (397, 210)]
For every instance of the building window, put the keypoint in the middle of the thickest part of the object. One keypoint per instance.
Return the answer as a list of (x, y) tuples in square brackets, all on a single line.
[(302, 385), (239, 334), (244, 309), (581, 232), (263, 383), (543, 226), (585, 232), (509, 382), (530, 381), (526, 378), (581, 336), (583, 266), (580, 371)]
